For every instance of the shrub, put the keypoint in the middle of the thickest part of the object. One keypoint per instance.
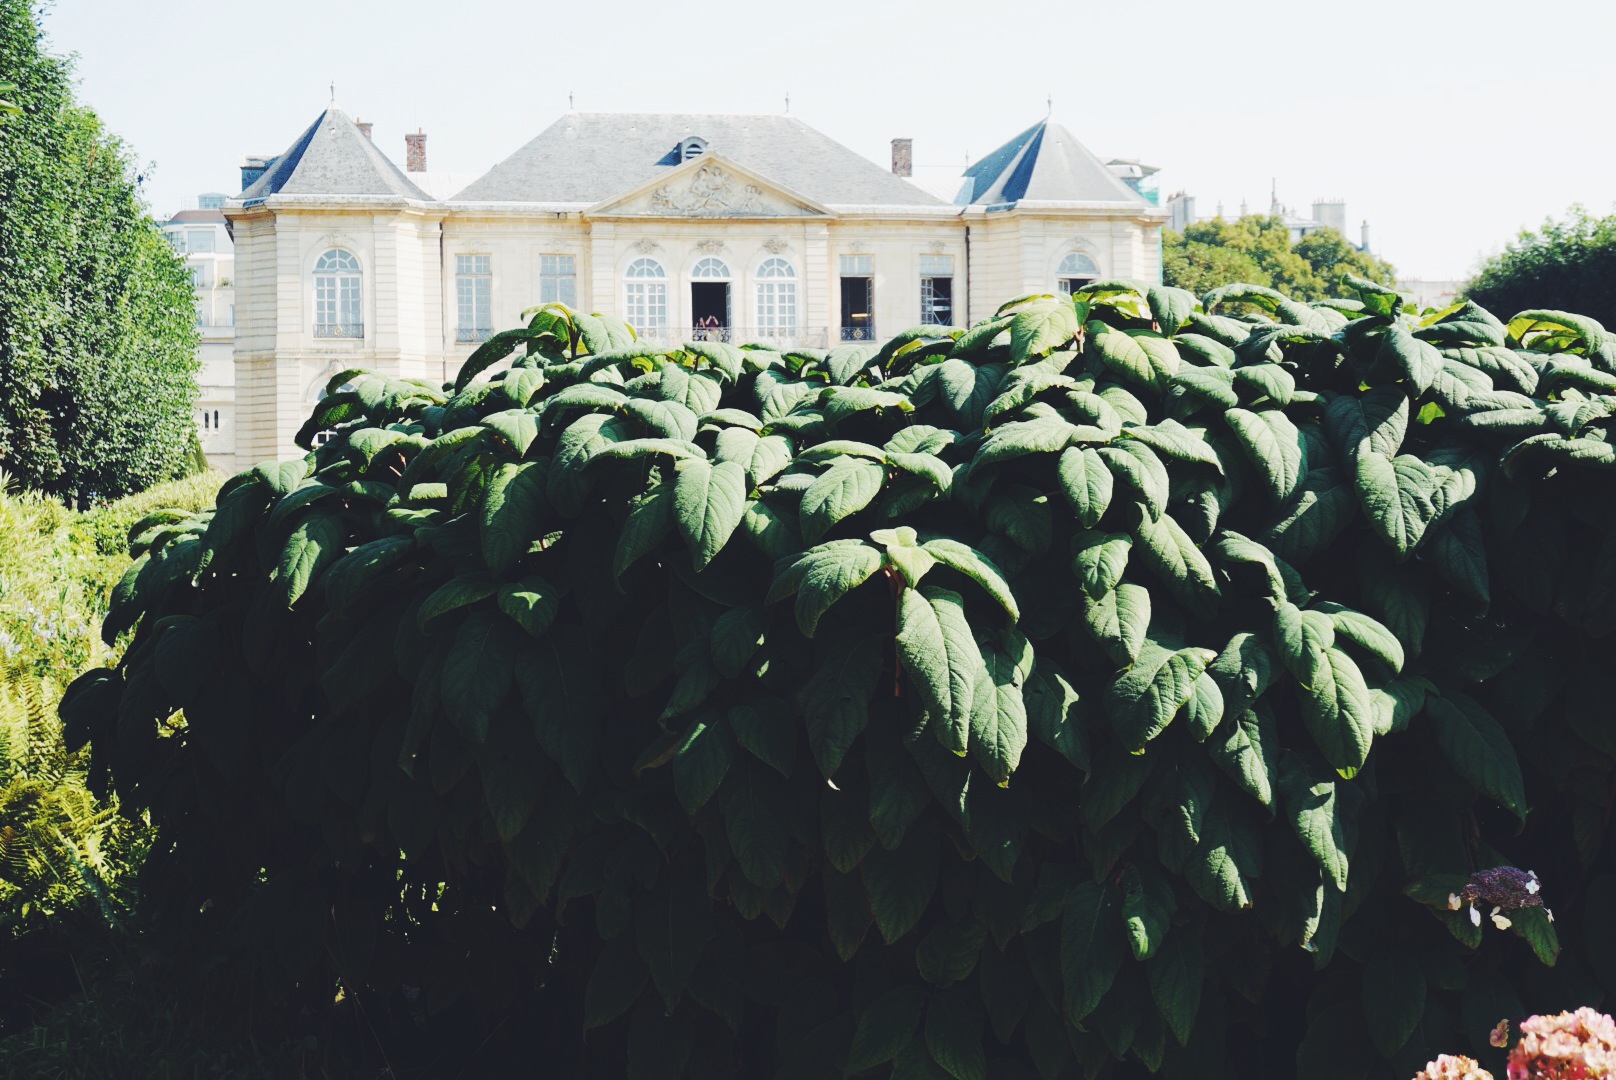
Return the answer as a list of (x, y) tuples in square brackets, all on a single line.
[(1113, 680), (1568, 263)]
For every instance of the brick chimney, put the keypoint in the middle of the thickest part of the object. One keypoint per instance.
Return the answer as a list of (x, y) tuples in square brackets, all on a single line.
[(903, 157), (364, 127), (415, 152)]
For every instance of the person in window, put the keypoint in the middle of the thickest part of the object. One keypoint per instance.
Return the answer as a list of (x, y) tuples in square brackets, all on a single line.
[(707, 328)]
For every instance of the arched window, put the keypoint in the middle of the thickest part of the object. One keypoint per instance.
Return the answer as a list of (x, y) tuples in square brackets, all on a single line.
[(776, 300), (1076, 271), (645, 297), (338, 305), (711, 270), (692, 147)]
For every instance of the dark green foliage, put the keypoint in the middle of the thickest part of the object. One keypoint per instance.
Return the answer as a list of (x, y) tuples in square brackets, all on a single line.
[(1119, 684), (1257, 249), (1568, 265), (97, 321)]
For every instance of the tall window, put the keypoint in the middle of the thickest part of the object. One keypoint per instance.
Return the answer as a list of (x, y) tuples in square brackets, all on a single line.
[(777, 300), (474, 291), (936, 290), (1076, 271), (558, 280), (858, 298), (645, 297), (337, 306)]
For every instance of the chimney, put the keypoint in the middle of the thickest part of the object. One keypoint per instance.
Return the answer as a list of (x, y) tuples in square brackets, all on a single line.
[(415, 152), (252, 168), (364, 127), (903, 157), (1364, 247)]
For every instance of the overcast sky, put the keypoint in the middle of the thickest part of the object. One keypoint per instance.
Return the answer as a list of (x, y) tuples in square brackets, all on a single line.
[(1448, 125)]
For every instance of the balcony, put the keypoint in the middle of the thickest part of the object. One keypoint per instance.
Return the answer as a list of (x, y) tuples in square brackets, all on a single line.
[(340, 330), (861, 332), (799, 337), (472, 334)]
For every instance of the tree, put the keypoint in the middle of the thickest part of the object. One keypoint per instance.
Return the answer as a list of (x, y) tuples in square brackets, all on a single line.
[(1117, 685), (97, 321), (1569, 265), (1257, 249)]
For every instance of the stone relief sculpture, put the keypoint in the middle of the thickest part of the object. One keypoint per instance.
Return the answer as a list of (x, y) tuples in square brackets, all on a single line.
[(712, 193)]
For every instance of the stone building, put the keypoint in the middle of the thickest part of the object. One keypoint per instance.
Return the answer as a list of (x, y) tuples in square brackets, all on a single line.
[(201, 236), (731, 227)]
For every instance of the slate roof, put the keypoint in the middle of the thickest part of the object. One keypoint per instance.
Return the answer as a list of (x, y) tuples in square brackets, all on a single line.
[(333, 158), (1045, 163), (586, 157)]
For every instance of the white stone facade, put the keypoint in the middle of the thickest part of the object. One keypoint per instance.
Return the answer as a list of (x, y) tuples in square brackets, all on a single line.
[(202, 237), (738, 254)]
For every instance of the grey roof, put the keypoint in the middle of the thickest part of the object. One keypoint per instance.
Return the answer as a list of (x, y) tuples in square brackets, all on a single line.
[(333, 158), (1045, 163), (586, 157)]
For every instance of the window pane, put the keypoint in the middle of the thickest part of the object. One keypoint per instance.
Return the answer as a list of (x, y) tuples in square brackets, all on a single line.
[(557, 280), (937, 266), (858, 265), (936, 300), (199, 239)]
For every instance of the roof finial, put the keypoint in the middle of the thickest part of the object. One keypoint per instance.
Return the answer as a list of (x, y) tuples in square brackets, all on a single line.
[(788, 102), (333, 91), (570, 105), (1050, 101)]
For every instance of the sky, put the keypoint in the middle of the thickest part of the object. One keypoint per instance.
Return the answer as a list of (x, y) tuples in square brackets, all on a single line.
[(1447, 126)]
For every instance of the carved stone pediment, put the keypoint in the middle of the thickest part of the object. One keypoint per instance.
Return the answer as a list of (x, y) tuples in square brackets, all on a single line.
[(708, 187)]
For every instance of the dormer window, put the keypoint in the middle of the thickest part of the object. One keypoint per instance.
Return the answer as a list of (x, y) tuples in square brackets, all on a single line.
[(692, 147)]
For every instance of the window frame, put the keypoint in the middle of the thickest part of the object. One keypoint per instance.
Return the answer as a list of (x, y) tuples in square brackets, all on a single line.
[(474, 295), (339, 295), (645, 297), (776, 299), (556, 287)]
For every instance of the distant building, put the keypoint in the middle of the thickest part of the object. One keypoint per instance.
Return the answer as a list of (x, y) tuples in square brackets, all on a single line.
[(1326, 213), (744, 228), (202, 236), (1431, 293)]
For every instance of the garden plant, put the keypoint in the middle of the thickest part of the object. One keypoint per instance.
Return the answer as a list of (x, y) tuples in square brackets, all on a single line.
[(1127, 683)]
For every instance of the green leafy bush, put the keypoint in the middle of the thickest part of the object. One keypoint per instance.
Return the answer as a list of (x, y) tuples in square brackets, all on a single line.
[(1567, 263), (1113, 681)]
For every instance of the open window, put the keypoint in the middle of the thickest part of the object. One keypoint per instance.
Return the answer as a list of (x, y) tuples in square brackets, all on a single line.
[(858, 298), (936, 290), (710, 300)]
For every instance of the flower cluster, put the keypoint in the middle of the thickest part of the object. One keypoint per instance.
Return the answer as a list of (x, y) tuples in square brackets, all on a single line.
[(1577, 1045), (1505, 888), (1453, 1067)]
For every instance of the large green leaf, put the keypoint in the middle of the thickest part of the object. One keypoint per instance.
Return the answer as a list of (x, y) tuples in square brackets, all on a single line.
[(478, 671), (552, 675), (314, 544), (1139, 469), (900, 882), (1143, 700), (954, 1021), (708, 501), (1100, 560), (836, 699), (1394, 992), (822, 575), (1148, 906), (976, 566), (650, 520), (513, 512), (1087, 484), (1312, 809), (1042, 327), (841, 491), (1274, 446), (1167, 550), (1091, 947), (1400, 496), (998, 713), (1176, 974), (885, 1027), (1479, 749), (938, 651)]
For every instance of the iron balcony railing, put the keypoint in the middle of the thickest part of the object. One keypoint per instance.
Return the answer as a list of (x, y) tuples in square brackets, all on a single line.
[(803, 337), (861, 332), (473, 333), (339, 330)]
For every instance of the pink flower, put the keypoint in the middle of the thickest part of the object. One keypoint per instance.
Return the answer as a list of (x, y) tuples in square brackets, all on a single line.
[(1577, 1045), (1453, 1067)]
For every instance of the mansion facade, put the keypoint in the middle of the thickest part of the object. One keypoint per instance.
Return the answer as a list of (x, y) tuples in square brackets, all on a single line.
[(728, 227)]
